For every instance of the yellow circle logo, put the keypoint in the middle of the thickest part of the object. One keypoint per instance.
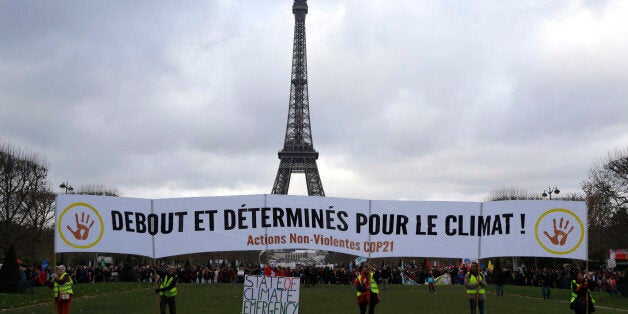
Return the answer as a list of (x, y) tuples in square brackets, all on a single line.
[(80, 226), (559, 231)]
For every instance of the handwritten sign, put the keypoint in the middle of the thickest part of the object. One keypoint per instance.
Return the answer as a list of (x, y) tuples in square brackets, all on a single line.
[(270, 295)]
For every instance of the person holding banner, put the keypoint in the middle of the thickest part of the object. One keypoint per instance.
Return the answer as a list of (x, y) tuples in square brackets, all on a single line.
[(368, 292), (475, 283), (168, 291), (61, 283), (581, 300)]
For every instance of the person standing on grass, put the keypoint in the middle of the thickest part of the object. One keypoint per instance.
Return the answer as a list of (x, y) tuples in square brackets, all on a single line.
[(168, 291), (612, 286), (475, 283), (368, 292), (545, 281), (500, 278), (206, 275), (430, 282), (581, 300), (386, 273), (61, 283), (42, 277)]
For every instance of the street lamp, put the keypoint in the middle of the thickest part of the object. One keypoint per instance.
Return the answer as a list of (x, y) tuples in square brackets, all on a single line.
[(67, 187), (550, 191)]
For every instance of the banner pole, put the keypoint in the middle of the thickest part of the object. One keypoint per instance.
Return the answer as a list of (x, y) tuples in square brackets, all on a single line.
[(54, 267), (480, 238), (370, 213), (477, 291), (157, 295), (587, 281), (586, 215), (54, 251), (266, 234)]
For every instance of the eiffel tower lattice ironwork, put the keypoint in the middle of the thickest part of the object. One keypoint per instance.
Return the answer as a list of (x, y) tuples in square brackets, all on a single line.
[(298, 154)]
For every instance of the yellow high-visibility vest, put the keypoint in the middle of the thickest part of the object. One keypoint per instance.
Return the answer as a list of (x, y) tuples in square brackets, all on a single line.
[(574, 286), (166, 282), (374, 287), (474, 280), (64, 288)]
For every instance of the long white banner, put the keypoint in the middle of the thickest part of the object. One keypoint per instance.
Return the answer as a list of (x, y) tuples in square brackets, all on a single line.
[(166, 227)]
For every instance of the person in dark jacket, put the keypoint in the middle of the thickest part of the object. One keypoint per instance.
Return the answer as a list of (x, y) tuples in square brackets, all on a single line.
[(168, 291), (500, 278), (546, 282), (581, 300)]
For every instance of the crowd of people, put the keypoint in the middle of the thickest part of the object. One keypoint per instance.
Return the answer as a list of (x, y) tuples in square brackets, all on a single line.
[(367, 280), (559, 277)]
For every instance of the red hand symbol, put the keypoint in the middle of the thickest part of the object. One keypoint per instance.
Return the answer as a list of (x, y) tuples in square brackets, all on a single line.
[(82, 230), (560, 236)]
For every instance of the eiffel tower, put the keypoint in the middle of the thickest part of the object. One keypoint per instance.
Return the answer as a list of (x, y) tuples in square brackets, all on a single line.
[(298, 154)]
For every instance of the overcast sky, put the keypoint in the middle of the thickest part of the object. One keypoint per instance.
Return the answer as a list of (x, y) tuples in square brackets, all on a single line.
[(409, 100)]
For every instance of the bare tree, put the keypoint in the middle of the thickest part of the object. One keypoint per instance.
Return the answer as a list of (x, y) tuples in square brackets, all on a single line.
[(97, 189), (511, 193), (516, 193), (26, 201), (607, 199)]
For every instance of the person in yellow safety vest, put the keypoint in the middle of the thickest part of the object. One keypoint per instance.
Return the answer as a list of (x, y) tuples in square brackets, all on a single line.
[(581, 300), (368, 292), (168, 291), (475, 283), (61, 283)]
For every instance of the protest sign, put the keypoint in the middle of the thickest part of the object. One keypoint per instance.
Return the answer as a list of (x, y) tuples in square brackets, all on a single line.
[(266, 294)]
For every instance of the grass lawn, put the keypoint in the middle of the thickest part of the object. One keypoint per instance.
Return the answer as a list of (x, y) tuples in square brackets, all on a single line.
[(227, 298)]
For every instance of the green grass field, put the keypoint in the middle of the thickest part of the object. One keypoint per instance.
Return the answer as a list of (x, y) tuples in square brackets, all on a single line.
[(227, 298)]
